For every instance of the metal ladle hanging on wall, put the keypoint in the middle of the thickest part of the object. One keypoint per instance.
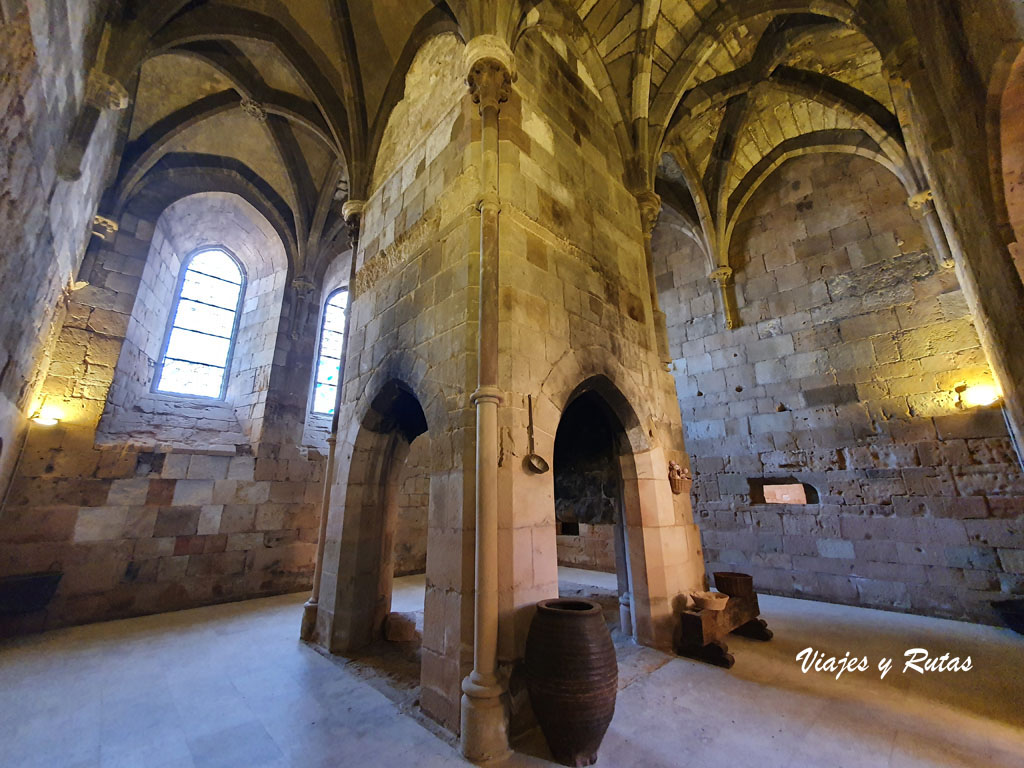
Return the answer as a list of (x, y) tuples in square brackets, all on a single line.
[(533, 462)]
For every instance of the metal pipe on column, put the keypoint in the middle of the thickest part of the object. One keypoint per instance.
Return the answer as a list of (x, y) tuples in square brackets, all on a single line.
[(484, 734), (351, 211)]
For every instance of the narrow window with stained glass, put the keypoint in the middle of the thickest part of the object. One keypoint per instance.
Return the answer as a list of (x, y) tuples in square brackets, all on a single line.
[(328, 364), (198, 348)]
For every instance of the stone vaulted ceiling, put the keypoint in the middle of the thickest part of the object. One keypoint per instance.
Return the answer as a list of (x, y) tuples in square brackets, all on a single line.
[(286, 103), (281, 102)]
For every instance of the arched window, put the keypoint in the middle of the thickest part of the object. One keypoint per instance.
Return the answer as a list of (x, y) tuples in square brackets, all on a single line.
[(197, 351), (328, 363)]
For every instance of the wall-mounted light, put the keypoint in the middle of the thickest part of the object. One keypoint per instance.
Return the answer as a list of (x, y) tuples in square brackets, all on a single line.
[(47, 416), (976, 395)]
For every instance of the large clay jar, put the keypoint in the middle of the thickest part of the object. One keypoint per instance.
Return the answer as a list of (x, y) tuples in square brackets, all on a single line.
[(572, 677)]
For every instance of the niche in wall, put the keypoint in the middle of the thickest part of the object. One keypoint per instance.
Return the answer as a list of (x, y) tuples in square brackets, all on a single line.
[(785, 490)]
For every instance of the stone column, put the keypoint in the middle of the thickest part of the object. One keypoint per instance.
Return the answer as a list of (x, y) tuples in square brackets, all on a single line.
[(925, 202), (623, 577), (490, 66), (650, 208), (351, 211)]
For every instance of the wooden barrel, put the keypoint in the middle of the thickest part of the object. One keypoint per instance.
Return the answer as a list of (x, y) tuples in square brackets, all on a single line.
[(572, 677)]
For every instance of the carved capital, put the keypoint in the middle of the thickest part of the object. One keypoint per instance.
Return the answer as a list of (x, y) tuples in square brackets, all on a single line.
[(490, 83), (921, 199), (352, 209), (650, 209), (104, 228), (722, 276), (104, 92), (352, 213), (490, 70), (255, 110), (303, 286), (488, 47)]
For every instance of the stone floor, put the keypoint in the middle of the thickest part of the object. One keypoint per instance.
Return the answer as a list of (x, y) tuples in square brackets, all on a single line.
[(231, 686)]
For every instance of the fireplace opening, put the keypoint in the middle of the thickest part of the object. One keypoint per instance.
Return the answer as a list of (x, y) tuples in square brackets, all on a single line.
[(588, 504), (384, 535)]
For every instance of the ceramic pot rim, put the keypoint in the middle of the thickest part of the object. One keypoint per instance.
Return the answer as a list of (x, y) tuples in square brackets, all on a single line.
[(560, 606)]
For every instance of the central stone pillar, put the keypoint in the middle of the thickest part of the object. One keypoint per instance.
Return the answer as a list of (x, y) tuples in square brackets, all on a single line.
[(351, 212), (484, 733), (495, 302)]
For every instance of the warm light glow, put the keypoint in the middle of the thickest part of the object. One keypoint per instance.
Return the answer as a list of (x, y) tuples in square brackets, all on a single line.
[(978, 395), (48, 416)]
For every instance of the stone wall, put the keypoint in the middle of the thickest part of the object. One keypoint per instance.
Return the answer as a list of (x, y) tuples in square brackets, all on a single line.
[(45, 220), (593, 548), (576, 317), (842, 376), (179, 507), (138, 532), (410, 549), (951, 127), (145, 334)]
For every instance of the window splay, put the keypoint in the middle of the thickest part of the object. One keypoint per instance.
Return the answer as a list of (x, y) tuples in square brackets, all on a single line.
[(328, 364), (198, 346)]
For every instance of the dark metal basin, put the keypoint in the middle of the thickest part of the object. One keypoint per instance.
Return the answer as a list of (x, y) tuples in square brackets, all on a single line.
[(27, 592), (1012, 613)]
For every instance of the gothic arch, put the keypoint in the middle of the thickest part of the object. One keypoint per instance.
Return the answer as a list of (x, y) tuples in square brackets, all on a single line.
[(600, 366), (365, 510), (433, 24), (562, 21), (408, 371), (179, 175), (823, 142)]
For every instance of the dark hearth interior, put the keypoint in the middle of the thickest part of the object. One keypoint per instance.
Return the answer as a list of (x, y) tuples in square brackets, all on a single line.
[(586, 466)]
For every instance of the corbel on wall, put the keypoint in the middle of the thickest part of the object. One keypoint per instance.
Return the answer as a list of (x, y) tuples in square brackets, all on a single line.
[(723, 277)]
